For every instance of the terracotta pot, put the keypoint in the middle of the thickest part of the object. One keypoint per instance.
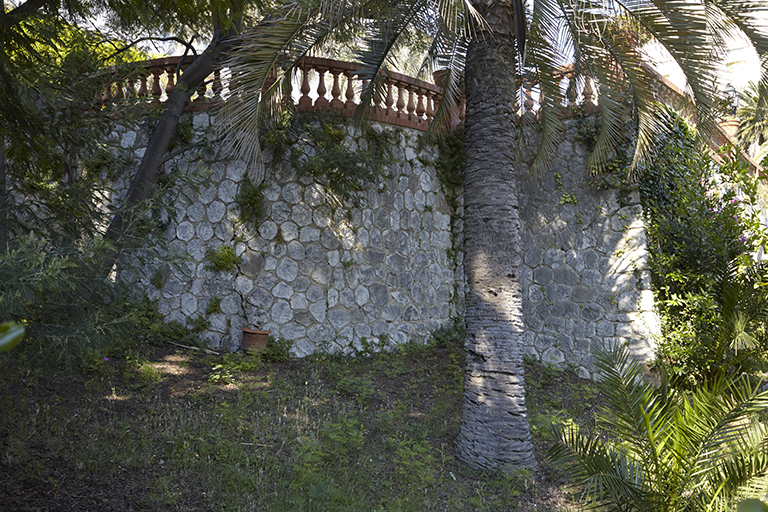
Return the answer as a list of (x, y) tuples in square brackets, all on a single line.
[(254, 340)]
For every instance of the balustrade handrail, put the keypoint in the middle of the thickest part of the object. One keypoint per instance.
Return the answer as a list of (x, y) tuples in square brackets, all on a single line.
[(409, 101)]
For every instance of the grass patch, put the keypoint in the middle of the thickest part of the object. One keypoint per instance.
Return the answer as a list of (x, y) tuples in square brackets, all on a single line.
[(153, 428)]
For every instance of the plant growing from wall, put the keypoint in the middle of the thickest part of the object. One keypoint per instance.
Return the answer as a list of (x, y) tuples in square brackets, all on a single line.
[(250, 203), (342, 171), (449, 167), (701, 236), (214, 305), (222, 258)]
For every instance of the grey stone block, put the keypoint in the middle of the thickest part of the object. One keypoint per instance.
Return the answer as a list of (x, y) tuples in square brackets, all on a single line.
[(338, 318), (592, 312), (379, 294), (287, 270), (564, 308), (542, 275)]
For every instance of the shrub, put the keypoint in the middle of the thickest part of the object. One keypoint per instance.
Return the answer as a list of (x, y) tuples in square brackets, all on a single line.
[(64, 308), (250, 202), (701, 236), (221, 258), (277, 350)]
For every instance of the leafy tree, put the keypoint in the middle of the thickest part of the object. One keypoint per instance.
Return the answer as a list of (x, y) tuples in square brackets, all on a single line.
[(53, 153), (663, 449)]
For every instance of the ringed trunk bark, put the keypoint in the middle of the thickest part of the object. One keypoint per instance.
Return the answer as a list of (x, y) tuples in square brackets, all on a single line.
[(494, 430)]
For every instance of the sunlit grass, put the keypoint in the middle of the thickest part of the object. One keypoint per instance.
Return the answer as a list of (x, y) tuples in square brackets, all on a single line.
[(185, 431)]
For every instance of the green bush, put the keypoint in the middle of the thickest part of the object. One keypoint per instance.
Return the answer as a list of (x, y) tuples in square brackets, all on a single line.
[(343, 171), (64, 308), (278, 350), (250, 202), (222, 258), (701, 236)]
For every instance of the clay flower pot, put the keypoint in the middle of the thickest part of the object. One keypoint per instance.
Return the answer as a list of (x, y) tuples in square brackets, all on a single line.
[(254, 340)]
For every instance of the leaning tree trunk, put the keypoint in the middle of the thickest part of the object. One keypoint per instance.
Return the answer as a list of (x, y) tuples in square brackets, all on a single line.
[(494, 431), (145, 179), (3, 190)]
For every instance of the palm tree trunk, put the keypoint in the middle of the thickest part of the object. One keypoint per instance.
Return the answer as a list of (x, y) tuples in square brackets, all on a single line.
[(494, 431)]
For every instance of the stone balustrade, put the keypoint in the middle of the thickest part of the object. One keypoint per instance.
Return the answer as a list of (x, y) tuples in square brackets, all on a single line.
[(324, 84)]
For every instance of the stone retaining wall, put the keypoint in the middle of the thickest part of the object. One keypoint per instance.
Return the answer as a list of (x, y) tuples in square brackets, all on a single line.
[(585, 274), (322, 275), (326, 276)]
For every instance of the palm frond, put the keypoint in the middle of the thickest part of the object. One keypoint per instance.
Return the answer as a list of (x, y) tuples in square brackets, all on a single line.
[(385, 33), (700, 451), (543, 43), (607, 474)]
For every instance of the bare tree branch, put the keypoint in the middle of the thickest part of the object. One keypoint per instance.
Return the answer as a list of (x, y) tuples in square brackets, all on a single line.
[(187, 45)]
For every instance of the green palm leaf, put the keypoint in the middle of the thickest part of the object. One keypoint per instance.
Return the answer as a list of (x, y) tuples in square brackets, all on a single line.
[(669, 450)]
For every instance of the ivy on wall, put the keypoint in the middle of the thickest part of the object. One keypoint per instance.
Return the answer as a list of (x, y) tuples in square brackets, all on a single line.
[(331, 161)]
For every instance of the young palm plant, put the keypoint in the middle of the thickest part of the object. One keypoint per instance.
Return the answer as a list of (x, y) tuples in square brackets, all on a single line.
[(665, 449)]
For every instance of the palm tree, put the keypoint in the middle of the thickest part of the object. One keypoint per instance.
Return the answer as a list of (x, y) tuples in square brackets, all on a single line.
[(600, 39), (669, 450), (494, 424)]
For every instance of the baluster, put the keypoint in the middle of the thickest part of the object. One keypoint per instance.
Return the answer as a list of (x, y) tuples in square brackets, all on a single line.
[(390, 100), (420, 109), (528, 103), (430, 106), (589, 104), (171, 77), (350, 103), (131, 92), (364, 88), (411, 104), (217, 86), (143, 92), (321, 101), (540, 111), (107, 96), (378, 101), (305, 102), (269, 81), (119, 91), (336, 90), (400, 100), (570, 93), (157, 91)]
